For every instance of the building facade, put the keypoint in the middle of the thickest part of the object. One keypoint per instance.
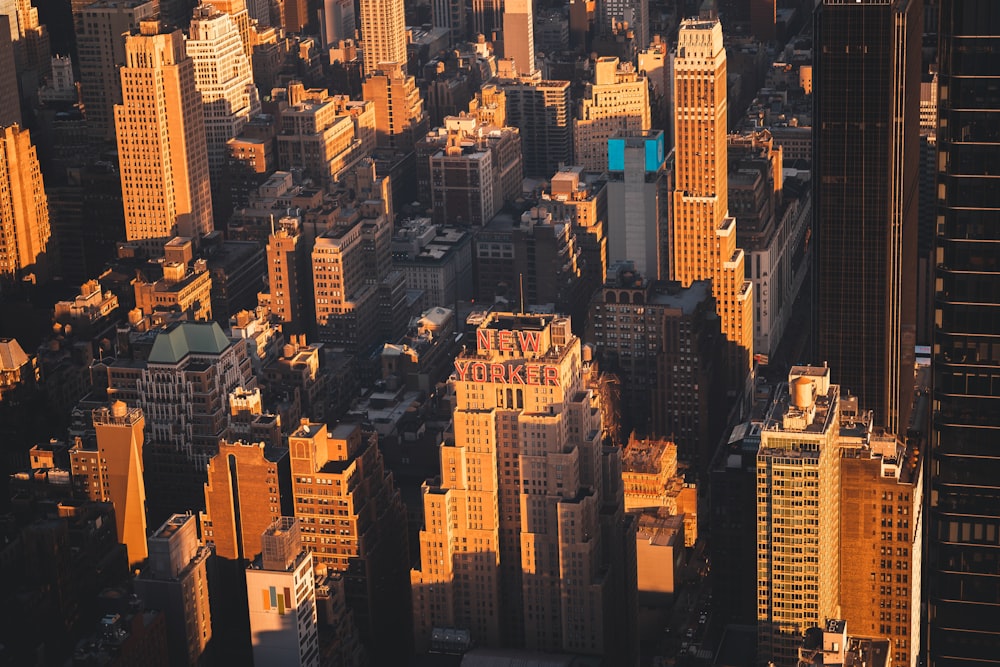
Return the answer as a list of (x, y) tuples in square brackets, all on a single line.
[(703, 233), (160, 130), (964, 501), (525, 514), (615, 102), (24, 208), (866, 209)]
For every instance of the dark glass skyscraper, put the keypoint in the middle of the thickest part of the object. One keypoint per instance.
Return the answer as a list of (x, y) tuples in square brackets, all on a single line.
[(963, 567), (866, 148)]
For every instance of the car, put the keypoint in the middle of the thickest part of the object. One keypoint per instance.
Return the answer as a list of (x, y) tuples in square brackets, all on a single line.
[(690, 633)]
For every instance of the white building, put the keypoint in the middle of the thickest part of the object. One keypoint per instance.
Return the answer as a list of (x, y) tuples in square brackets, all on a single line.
[(281, 593), (224, 77)]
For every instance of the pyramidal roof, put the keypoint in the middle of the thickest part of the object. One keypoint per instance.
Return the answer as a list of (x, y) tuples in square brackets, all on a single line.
[(12, 356), (184, 338)]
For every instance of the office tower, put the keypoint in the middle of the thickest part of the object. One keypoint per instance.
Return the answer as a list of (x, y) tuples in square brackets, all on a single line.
[(866, 168), (341, 467), (175, 580), (338, 22), (160, 129), (524, 543), (450, 15), (352, 269), (583, 200), (32, 54), (612, 16), (798, 515), (637, 200), (615, 102), (400, 119), (24, 209), (703, 239), (180, 377), (288, 276), (10, 105), (963, 609), (281, 592), (101, 52), (295, 15), (486, 18), (519, 35), (223, 76), (541, 110), (383, 34), (661, 340), (111, 471), (324, 136), (248, 487), (763, 19), (476, 172), (881, 537), (774, 231)]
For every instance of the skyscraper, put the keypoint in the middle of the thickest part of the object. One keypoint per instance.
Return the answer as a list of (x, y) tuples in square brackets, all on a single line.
[(704, 234), (383, 33), (519, 35), (617, 100), (542, 111), (111, 472), (223, 76), (524, 542), (964, 600), (101, 48), (637, 200), (24, 208), (161, 140), (798, 517), (866, 147)]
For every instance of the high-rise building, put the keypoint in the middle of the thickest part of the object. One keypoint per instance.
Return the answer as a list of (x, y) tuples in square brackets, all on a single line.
[(32, 56), (519, 35), (637, 200), (281, 592), (223, 76), (616, 101), (24, 208), (288, 275), (400, 119), (10, 105), (866, 167), (798, 514), (111, 471), (614, 16), (100, 47), (175, 580), (703, 239), (583, 200), (486, 18), (338, 21), (524, 542), (160, 129), (248, 487), (963, 600), (353, 522), (881, 536), (383, 34), (542, 111)]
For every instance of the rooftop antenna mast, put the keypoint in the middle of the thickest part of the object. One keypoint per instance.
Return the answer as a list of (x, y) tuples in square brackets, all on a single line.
[(521, 279)]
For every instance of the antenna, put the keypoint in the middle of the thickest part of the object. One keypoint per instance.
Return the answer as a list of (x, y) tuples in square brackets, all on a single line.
[(272, 224), (521, 278)]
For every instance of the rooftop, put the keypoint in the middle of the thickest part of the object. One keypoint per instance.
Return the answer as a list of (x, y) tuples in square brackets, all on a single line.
[(184, 338)]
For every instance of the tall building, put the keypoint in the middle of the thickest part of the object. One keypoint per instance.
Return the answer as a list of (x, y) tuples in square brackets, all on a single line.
[(486, 18), (542, 111), (223, 76), (637, 200), (866, 168), (963, 600), (160, 129), (24, 208), (342, 468), (524, 542), (248, 487), (383, 34), (288, 276), (175, 580), (881, 536), (583, 200), (10, 105), (111, 471), (616, 101), (519, 35), (798, 514), (704, 234), (400, 119), (281, 592), (100, 47), (613, 16)]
